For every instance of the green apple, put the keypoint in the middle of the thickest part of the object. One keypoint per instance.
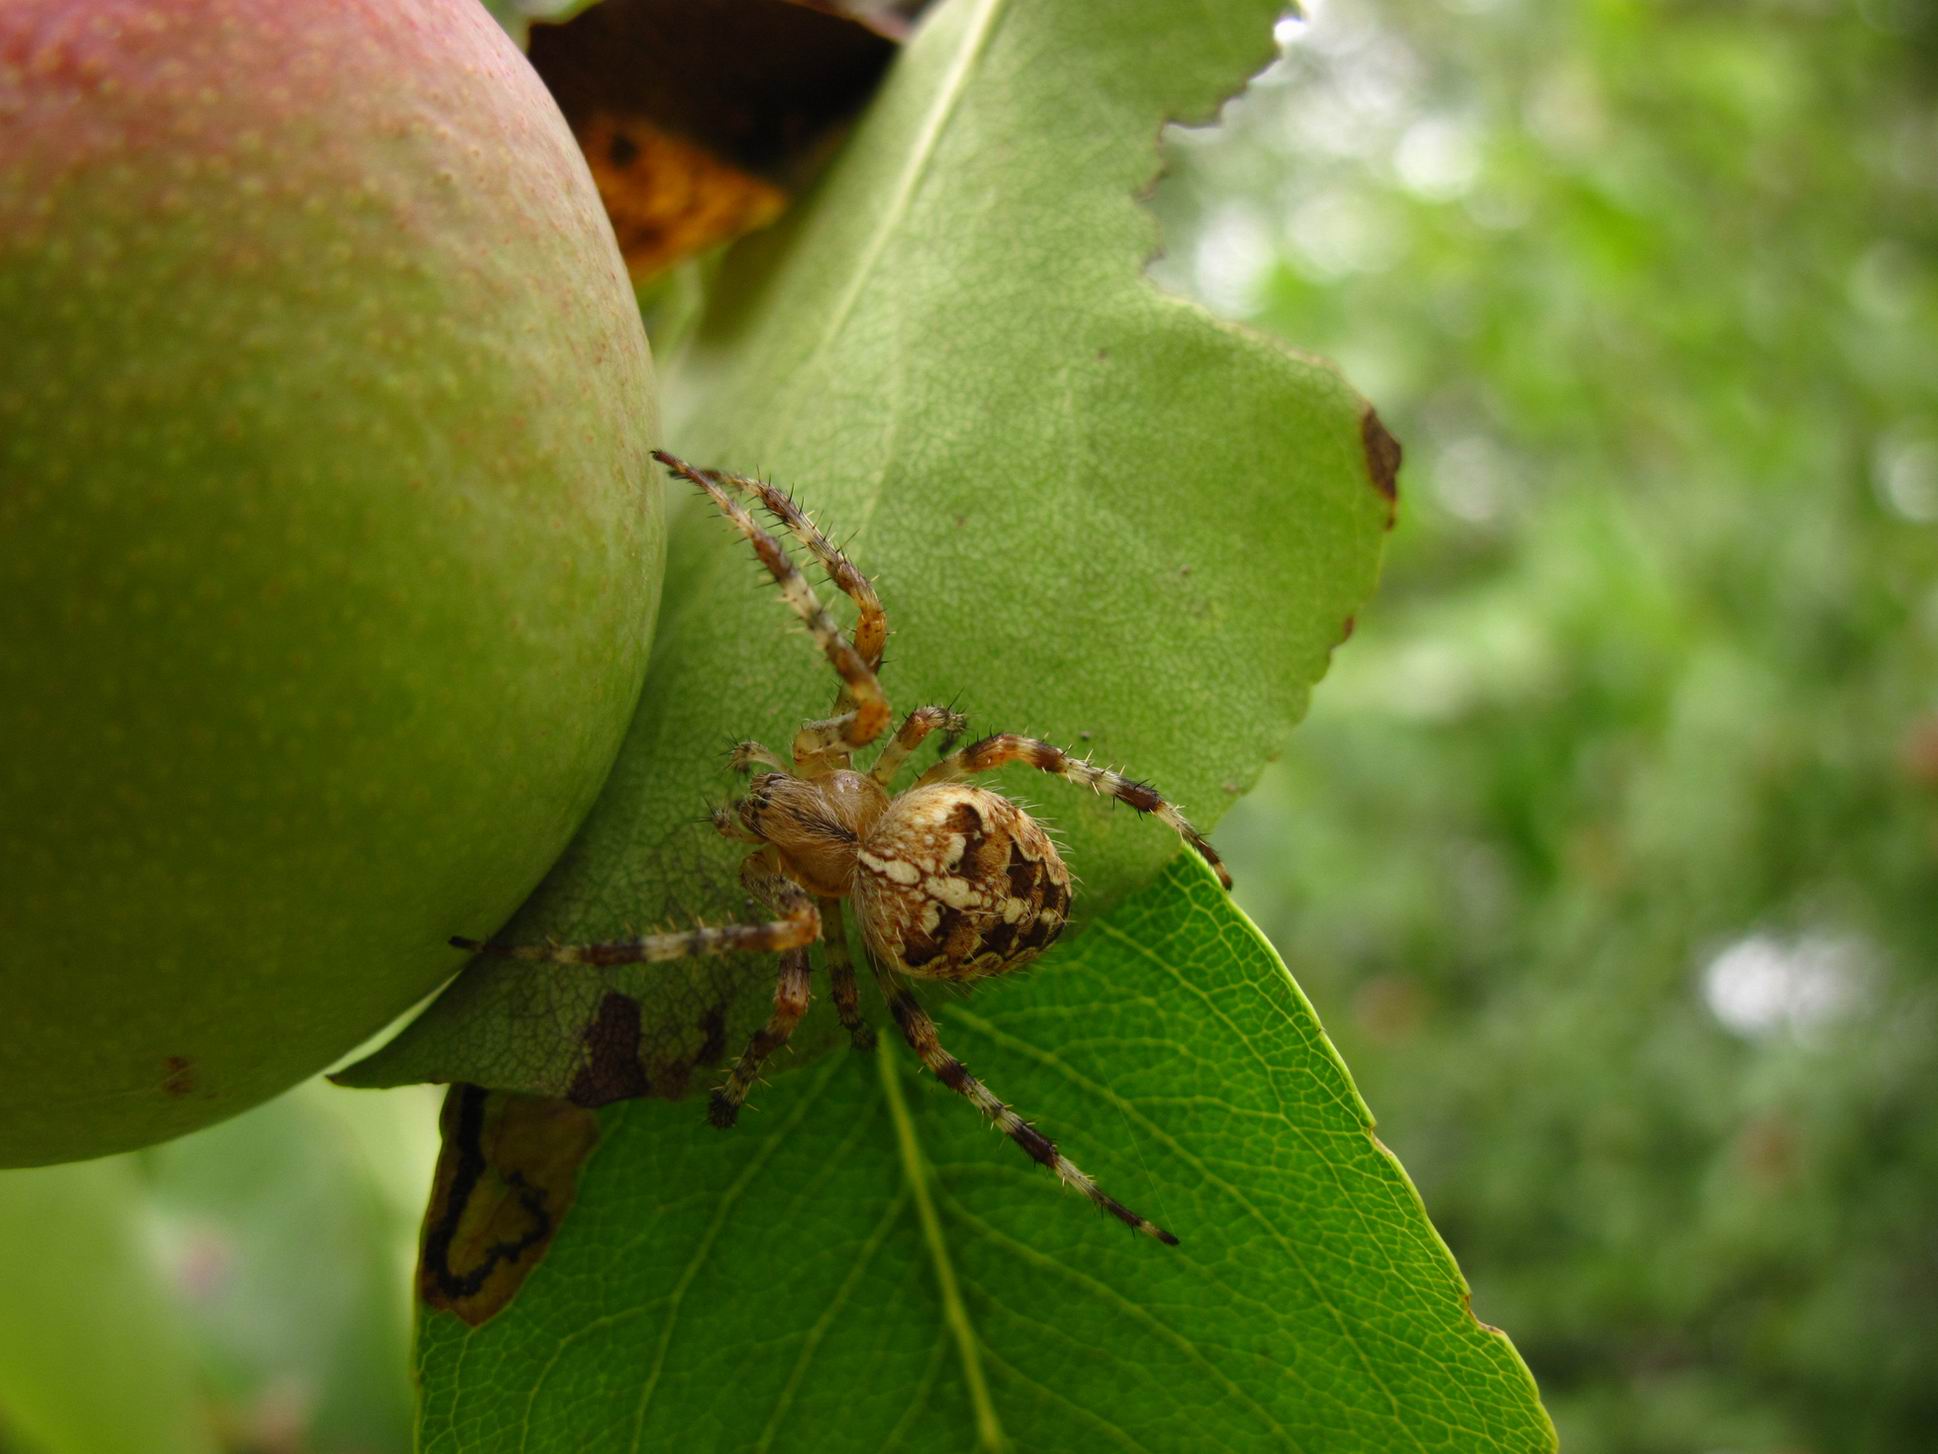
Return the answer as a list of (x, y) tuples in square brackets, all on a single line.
[(329, 542)]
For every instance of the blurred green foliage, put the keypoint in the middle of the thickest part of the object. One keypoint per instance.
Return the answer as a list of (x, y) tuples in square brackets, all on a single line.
[(1608, 852), (244, 1290)]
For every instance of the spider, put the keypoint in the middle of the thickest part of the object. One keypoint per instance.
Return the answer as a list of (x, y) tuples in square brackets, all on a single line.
[(950, 881)]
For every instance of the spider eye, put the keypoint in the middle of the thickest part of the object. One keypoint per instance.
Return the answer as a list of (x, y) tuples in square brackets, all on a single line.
[(760, 797)]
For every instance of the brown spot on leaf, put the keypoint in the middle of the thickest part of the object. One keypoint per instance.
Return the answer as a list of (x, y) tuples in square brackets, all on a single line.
[(714, 1025), (611, 1071), (1382, 460), (178, 1076), (701, 118), (670, 1075), (507, 1173)]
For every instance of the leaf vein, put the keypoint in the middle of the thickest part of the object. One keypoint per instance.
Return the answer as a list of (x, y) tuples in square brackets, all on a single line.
[(811, 1342), (1104, 1293), (988, 1427), (715, 1223)]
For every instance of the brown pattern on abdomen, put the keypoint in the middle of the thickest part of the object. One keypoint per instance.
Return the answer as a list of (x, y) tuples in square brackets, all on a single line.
[(959, 883)]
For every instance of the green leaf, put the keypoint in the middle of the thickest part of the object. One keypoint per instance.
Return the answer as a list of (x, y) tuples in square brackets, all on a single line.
[(863, 1266), (1094, 513)]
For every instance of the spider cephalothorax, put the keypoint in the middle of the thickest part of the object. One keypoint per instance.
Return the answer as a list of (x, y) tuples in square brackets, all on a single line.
[(950, 881)]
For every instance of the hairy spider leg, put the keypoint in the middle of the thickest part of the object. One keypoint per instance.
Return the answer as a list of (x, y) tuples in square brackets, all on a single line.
[(824, 743), (841, 975), (798, 926), (726, 822), (1006, 747), (746, 754), (790, 1003), (916, 726), (870, 635), (919, 1030)]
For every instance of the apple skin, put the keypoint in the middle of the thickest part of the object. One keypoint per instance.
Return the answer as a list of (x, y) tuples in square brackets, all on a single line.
[(329, 540)]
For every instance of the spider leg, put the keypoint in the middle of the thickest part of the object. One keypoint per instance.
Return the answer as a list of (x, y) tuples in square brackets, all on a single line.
[(862, 723), (841, 975), (871, 626), (726, 822), (1006, 747), (790, 1003), (919, 1030), (820, 746), (916, 726), (746, 754), (798, 926)]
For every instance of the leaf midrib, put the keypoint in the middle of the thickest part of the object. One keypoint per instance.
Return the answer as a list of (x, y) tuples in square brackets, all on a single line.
[(941, 110), (989, 1429)]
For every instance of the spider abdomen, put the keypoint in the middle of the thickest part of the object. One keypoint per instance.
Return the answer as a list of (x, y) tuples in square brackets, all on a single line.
[(956, 882)]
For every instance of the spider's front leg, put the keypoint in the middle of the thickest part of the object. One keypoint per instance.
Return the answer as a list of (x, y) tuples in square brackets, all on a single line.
[(871, 623), (1006, 747), (745, 755), (725, 818), (867, 718), (915, 727)]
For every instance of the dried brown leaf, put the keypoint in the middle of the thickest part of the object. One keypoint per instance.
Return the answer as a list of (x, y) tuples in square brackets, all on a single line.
[(701, 118), (506, 1175)]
